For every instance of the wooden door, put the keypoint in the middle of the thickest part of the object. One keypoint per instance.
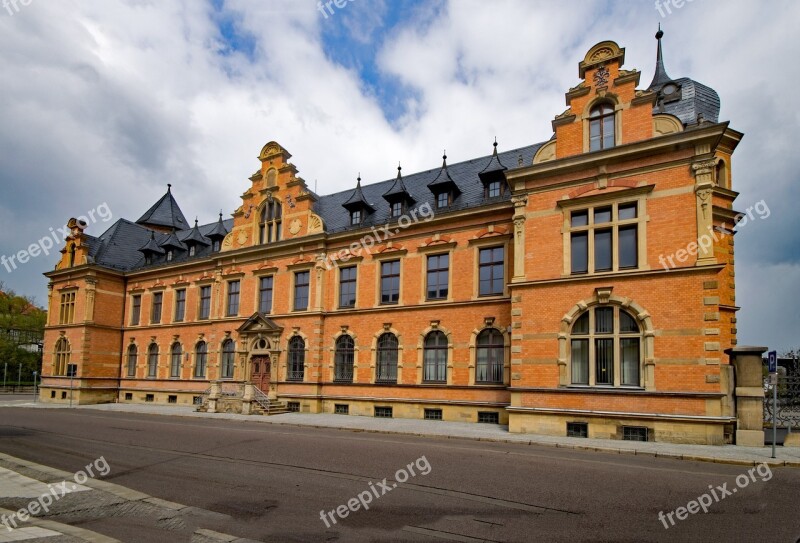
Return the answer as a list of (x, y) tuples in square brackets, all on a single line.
[(262, 367)]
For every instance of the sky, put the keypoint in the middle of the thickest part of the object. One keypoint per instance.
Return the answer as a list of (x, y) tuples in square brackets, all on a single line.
[(104, 102)]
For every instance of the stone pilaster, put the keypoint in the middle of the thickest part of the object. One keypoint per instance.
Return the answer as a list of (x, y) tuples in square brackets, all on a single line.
[(703, 185), (519, 237)]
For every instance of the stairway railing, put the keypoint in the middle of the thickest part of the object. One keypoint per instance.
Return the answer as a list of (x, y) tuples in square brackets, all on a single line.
[(261, 399)]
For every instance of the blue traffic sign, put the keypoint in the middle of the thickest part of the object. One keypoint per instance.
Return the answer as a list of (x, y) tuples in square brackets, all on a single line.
[(772, 361)]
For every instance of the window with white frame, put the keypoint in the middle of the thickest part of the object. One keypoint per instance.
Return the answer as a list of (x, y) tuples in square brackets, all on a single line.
[(604, 238)]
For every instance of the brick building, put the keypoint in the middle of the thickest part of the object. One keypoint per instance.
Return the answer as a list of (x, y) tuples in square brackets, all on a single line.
[(583, 285)]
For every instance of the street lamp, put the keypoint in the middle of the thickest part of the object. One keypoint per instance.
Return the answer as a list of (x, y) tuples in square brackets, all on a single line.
[(35, 382), (19, 376)]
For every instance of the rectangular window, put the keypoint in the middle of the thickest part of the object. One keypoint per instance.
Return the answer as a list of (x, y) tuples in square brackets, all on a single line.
[(604, 361), (341, 409), (293, 407), (301, 282), (491, 269), (136, 309), (580, 361), (390, 282), (347, 286), (233, 298), (205, 302), (67, 309), (580, 252), (383, 412), (265, 294), (604, 239), (629, 354), (172, 398), (397, 209), (155, 313), (442, 200), (577, 429), (149, 397), (180, 304), (628, 247), (489, 417), (438, 277), (433, 414), (634, 433), (128, 396)]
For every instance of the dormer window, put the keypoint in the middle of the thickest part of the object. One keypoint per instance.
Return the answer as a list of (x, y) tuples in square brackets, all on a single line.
[(397, 209), (270, 225), (192, 250), (493, 189), (444, 199), (169, 256), (215, 246), (601, 127), (356, 217), (148, 260)]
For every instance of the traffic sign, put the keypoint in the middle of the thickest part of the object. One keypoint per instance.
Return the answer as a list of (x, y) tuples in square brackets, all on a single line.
[(772, 361)]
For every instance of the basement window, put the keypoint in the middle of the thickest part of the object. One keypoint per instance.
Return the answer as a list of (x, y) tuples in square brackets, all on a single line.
[(433, 414), (129, 396), (294, 407), (341, 409), (172, 399), (383, 412), (149, 397), (634, 433), (489, 417), (577, 429)]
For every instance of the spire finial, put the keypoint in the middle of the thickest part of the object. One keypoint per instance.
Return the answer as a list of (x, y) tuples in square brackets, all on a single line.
[(398, 170), (359, 179), (444, 159), (195, 222), (660, 77), (495, 146), (169, 187)]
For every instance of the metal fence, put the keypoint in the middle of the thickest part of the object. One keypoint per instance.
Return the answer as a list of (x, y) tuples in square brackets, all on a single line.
[(787, 412)]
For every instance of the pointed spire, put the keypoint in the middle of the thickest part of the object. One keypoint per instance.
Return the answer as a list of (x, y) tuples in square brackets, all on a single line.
[(219, 231), (151, 246), (357, 199), (398, 191), (443, 181), (195, 236), (165, 213), (494, 170), (660, 77)]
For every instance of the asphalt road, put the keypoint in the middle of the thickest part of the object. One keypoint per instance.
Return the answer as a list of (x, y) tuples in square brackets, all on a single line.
[(273, 481)]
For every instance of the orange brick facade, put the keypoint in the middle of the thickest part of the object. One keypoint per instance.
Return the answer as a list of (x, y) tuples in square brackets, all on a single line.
[(675, 175)]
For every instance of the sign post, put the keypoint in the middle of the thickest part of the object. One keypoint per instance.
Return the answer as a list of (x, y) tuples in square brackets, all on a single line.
[(772, 363), (35, 382)]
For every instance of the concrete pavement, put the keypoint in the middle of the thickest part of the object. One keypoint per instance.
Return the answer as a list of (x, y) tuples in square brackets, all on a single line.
[(726, 454)]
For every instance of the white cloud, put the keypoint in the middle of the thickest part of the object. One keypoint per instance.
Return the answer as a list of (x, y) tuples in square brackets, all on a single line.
[(110, 100)]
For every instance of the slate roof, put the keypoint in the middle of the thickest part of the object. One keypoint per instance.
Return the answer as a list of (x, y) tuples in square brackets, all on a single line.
[(696, 100), (118, 247), (464, 175), (165, 212)]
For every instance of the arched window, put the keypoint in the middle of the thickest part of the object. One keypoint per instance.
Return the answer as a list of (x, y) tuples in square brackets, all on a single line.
[(386, 371), (152, 360), (435, 358), (228, 357), (133, 354), (343, 359), (605, 348), (601, 127), (489, 356), (270, 223), (297, 358), (62, 354), (200, 359), (176, 353)]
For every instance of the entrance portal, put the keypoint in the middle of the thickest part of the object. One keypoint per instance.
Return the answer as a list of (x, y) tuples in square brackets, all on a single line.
[(262, 367)]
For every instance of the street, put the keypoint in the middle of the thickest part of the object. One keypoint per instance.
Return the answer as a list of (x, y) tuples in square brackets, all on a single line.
[(271, 483)]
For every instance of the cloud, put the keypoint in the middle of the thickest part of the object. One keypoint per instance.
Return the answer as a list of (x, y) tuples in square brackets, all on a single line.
[(110, 100)]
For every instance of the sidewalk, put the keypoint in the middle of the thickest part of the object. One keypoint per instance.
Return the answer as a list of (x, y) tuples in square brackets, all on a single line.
[(725, 454)]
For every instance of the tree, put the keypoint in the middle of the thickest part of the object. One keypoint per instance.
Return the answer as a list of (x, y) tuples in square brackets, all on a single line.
[(21, 325)]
